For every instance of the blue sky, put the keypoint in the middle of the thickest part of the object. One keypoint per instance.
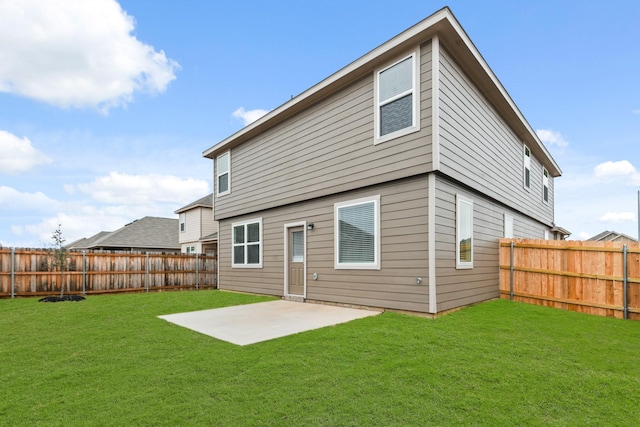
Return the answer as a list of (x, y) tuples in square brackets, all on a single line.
[(106, 107)]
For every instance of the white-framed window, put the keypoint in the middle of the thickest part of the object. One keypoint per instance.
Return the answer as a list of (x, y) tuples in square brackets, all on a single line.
[(357, 234), (397, 99), (545, 185), (545, 234), (191, 249), (183, 219), (464, 232), (526, 167), (223, 173), (508, 226), (246, 242)]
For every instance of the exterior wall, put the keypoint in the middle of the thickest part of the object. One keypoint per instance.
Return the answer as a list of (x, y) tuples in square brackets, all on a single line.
[(478, 148), (326, 149), (458, 287), (192, 226), (404, 254), (207, 224)]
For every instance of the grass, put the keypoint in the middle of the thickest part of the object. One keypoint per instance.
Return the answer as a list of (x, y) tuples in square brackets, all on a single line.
[(110, 361)]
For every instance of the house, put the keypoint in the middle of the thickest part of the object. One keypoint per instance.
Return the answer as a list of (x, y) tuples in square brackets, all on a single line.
[(198, 232), (612, 236), (388, 184), (148, 234)]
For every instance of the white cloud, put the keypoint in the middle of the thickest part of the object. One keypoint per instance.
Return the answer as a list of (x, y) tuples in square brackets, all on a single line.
[(618, 217), (636, 112), (73, 53), (121, 188), (13, 200), (18, 155), (620, 169), (250, 116), (551, 137)]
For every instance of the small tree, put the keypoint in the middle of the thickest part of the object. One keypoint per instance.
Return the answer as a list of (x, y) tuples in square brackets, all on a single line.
[(59, 255)]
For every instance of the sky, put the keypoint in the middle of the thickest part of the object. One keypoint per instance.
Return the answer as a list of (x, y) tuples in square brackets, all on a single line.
[(106, 106)]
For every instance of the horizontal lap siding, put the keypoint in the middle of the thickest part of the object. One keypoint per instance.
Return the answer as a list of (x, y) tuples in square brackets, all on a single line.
[(456, 288), (403, 211), (479, 149), (326, 149)]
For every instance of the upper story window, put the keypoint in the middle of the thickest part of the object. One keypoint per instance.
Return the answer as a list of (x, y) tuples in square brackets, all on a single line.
[(223, 173), (527, 167), (357, 234), (397, 99), (183, 220), (545, 185), (464, 232), (247, 243)]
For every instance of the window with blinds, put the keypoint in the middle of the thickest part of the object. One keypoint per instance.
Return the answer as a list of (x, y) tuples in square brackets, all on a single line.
[(464, 232), (527, 167), (396, 99), (247, 243), (223, 174), (545, 186), (357, 234)]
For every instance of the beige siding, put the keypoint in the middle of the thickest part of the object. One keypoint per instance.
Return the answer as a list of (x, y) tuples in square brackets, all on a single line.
[(328, 148), (208, 225), (403, 210), (192, 227), (458, 287), (479, 149)]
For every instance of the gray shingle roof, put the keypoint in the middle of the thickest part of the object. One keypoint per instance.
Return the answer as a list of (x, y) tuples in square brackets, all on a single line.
[(206, 201), (145, 233)]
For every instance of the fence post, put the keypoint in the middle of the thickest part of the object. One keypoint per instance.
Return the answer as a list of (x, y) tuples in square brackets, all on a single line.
[(625, 282), (13, 272), (84, 272), (197, 278), (146, 276), (511, 271)]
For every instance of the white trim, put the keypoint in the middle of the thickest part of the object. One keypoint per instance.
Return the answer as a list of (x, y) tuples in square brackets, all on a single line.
[(287, 226), (415, 91), (435, 103), (431, 244), (228, 154), (376, 245), (249, 221), (463, 264)]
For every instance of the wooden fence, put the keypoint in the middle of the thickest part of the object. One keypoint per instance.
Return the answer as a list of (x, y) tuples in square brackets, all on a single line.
[(599, 278), (27, 272)]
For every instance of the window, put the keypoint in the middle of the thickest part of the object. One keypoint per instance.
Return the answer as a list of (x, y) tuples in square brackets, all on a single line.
[(397, 99), (527, 167), (545, 234), (508, 226), (357, 234), (464, 232), (191, 249), (297, 246), (545, 186), (183, 218), (223, 173), (247, 243)]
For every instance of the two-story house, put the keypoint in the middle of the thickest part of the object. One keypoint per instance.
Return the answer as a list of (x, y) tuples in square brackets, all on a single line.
[(387, 184), (197, 231)]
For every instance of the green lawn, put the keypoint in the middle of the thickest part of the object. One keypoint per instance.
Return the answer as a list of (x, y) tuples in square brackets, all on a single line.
[(109, 361)]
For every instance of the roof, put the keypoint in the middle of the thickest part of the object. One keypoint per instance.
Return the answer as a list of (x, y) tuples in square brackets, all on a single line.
[(145, 233), (443, 24), (213, 237), (607, 236), (204, 202)]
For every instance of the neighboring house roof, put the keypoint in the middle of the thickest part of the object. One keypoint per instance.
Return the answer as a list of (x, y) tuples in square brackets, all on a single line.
[(612, 236), (145, 233), (204, 202), (213, 237), (443, 24)]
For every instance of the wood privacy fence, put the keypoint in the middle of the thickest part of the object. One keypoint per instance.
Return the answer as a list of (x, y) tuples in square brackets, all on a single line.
[(27, 272), (601, 278)]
